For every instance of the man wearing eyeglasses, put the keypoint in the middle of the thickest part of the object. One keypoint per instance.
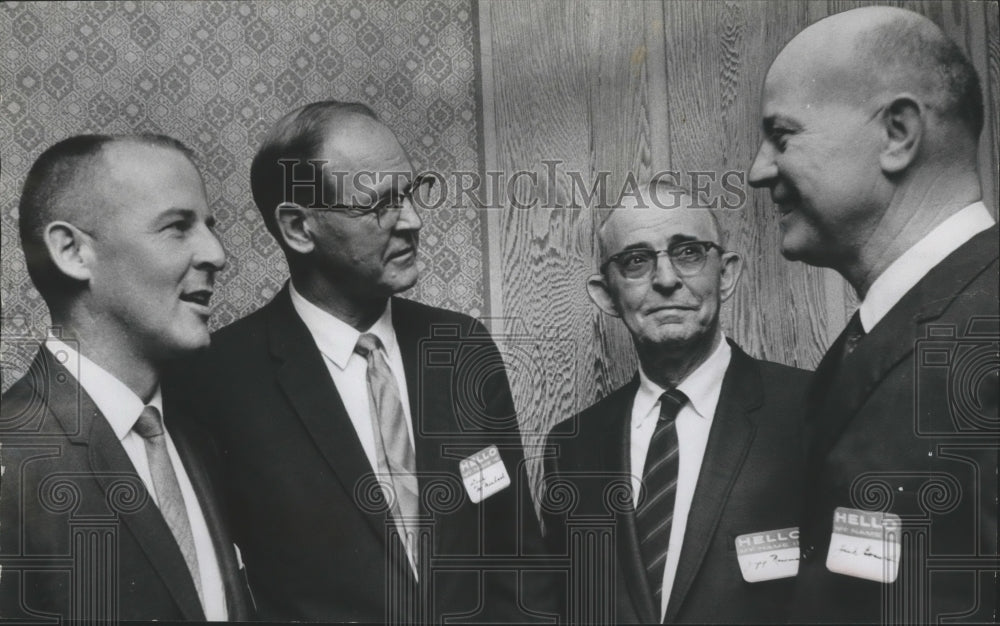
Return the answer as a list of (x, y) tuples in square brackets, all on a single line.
[(702, 445), (374, 476)]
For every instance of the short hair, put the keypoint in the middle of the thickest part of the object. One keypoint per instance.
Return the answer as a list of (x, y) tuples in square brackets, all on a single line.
[(296, 137), (922, 51), (54, 185), (655, 188)]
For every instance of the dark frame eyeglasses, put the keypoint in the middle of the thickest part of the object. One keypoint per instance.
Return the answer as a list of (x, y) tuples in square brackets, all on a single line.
[(687, 258), (389, 204)]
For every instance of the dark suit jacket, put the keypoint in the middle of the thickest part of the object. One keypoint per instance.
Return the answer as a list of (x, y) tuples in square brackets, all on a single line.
[(316, 539), (909, 425), (74, 515), (749, 482)]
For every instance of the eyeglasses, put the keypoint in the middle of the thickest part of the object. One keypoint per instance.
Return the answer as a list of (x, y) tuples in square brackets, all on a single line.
[(687, 258), (388, 206)]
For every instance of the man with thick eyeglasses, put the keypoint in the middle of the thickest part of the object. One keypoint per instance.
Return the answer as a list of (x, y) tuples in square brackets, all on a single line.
[(370, 480), (871, 120), (703, 442)]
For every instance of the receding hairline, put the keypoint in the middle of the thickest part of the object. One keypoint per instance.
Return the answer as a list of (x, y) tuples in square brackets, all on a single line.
[(646, 191)]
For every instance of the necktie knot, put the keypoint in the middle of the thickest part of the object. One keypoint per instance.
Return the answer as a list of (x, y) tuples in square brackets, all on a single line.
[(367, 344), (853, 334), (671, 403), (150, 423)]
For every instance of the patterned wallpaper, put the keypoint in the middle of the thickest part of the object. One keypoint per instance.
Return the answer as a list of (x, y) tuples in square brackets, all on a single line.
[(216, 75)]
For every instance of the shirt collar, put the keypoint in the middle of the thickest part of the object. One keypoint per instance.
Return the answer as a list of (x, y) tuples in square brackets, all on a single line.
[(336, 338), (906, 271), (119, 404), (702, 386)]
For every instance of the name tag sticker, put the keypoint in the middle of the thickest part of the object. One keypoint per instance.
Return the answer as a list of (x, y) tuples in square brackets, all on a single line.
[(484, 474), (865, 544), (768, 555)]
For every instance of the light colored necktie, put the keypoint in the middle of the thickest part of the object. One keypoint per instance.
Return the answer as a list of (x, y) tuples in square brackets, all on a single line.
[(396, 459), (168, 491)]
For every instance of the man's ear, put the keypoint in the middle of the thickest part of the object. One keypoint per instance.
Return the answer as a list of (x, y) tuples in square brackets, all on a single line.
[(295, 228), (729, 274), (600, 293), (70, 249), (905, 123)]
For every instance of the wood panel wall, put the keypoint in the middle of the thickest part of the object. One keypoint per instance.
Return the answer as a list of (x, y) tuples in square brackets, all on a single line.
[(641, 87)]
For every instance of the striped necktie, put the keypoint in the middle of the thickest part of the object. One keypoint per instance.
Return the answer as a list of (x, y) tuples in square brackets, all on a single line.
[(655, 513)]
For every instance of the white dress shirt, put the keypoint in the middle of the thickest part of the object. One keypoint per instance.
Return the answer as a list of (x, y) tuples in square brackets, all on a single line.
[(694, 422), (906, 271), (121, 408), (336, 340)]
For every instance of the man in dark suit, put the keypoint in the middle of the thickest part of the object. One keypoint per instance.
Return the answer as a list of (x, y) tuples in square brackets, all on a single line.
[(106, 510), (871, 120), (691, 466), (372, 452)]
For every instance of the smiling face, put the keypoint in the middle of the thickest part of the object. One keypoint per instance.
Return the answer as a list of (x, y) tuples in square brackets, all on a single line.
[(154, 255), (820, 156), (664, 309), (364, 257)]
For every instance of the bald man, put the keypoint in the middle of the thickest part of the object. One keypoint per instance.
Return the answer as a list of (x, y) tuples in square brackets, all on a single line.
[(107, 509), (871, 120), (692, 466), (375, 470)]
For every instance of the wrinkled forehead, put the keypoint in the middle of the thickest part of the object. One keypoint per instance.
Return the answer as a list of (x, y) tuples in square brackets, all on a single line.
[(655, 227)]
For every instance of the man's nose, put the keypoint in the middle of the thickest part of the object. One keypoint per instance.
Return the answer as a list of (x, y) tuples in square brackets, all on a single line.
[(409, 218), (763, 170), (664, 274), (209, 253)]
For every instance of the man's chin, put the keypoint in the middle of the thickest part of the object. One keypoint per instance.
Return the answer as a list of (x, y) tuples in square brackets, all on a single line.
[(404, 281)]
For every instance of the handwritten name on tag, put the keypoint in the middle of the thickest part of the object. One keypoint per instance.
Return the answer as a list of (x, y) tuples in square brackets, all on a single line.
[(865, 544), (484, 474), (768, 555)]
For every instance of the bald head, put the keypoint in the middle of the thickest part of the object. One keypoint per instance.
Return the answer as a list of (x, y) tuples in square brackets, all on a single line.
[(869, 54)]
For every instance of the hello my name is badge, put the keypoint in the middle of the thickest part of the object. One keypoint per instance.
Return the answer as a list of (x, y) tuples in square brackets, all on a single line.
[(484, 474)]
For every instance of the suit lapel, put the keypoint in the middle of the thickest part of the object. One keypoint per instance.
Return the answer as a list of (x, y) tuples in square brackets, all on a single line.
[(846, 387), (408, 335), (116, 475), (729, 441), (619, 461), (186, 437), (303, 376), (424, 391)]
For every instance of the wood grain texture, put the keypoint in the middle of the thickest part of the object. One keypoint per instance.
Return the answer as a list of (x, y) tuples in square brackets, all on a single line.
[(640, 87), (717, 56)]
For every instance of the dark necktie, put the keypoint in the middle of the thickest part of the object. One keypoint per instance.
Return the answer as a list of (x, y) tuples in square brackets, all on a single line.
[(853, 335), (655, 514), (149, 426), (393, 449)]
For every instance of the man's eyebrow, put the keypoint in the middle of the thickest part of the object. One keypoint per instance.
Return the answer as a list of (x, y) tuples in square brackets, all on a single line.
[(676, 239), (770, 122), (175, 212), (637, 246)]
